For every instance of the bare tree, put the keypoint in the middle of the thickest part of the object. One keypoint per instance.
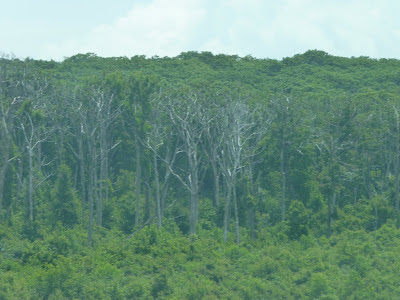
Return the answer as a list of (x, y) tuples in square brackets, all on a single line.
[(158, 137), (238, 128), (212, 143), (7, 119), (12, 93), (190, 121), (97, 113), (395, 141), (34, 132), (106, 113)]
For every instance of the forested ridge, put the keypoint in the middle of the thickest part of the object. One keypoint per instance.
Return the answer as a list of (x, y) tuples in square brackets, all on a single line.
[(200, 176)]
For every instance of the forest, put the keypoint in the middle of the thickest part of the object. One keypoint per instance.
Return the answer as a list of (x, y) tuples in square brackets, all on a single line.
[(200, 176)]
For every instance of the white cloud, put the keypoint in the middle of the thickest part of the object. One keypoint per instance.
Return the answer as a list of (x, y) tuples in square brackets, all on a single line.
[(161, 27), (348, 28), (262, 28)]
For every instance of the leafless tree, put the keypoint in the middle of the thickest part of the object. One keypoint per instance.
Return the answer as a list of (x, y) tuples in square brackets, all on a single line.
[(238, 125), (190, 122), (160, 136)]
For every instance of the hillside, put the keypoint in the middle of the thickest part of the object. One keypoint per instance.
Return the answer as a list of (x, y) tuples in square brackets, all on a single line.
[(200, 176)]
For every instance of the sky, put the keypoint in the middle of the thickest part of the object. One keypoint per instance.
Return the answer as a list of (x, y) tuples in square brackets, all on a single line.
[(57, 29)]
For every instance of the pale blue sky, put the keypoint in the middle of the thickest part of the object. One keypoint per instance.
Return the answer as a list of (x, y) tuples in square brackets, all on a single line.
[(54, 29)]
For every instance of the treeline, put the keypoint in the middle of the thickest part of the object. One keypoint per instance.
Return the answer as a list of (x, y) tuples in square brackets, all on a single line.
[(125, 143)]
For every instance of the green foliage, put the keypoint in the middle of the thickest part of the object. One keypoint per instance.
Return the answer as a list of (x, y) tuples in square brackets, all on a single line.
[(119, 211), (65, 202), (323, 154), (298, 220), (157, 264)]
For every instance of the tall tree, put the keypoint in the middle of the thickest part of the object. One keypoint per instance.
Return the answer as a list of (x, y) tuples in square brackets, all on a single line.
[(334, 142), (34, 132), (139, 90), (238, 121), (288, 115), (97, 112), (190, 121), (160, 138), (9, 103)]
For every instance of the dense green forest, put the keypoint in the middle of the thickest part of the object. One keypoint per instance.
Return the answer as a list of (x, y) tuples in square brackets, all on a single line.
[(200, 177)]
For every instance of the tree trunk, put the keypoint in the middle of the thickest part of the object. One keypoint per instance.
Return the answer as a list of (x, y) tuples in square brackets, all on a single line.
[(90, 204), (252, 223), (82, 174), (20, 182), (147, 211), (3, 170), (396, 182), (170, 159), (216, 182), (331, 212), (91, 191), (137, 179), (103, 174), (157, 183), (5, 149), (251, 213), (236, 212), (194, 201), (96, 190), (39, 157), (283, 183), (30, 189), (227, 211)]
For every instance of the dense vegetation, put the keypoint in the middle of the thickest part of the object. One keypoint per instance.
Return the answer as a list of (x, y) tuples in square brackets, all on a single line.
[(200, 176)]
